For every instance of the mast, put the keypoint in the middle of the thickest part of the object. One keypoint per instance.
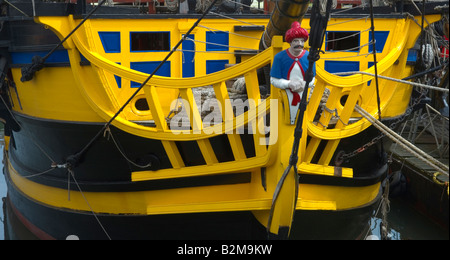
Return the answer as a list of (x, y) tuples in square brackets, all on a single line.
[(284, 14)]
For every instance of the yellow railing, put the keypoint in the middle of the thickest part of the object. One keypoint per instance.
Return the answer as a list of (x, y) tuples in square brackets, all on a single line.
[(94, 86), (347, 91), (198, 131)]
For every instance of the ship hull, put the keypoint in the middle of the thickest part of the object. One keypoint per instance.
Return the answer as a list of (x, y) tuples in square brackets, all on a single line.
[(49, 205), (29, 219), (99, 148)]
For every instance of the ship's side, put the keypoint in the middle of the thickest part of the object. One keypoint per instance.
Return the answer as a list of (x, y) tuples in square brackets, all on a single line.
[(170, 166)]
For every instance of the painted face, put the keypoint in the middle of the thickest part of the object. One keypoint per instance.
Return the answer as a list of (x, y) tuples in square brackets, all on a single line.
[(298, 43)]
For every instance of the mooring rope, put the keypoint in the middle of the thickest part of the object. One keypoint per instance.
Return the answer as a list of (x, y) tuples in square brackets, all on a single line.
[(417, 152), (394, 79)]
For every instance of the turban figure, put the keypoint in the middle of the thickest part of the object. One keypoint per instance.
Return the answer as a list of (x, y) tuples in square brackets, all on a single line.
[(289, 67), (296, 31)]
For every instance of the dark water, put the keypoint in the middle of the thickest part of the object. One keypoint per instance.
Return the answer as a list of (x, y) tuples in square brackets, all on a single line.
[(403, 221)]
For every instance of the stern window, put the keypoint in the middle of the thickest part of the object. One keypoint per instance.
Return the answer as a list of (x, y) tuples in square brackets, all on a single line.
[(150, 41), (342, 41)]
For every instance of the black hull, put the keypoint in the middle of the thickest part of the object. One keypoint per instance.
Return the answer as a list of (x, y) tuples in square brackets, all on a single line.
[(104, 168), (28, 219)]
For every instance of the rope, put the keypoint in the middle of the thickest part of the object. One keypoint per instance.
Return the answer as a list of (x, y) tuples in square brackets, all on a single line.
[(393, 79), (231, 18), (87, 203), (232, 33), (20, 11), (318, 23), (108, 131), (221, 45), (437, 165), (37, 62), (385, 208), (374, 51)]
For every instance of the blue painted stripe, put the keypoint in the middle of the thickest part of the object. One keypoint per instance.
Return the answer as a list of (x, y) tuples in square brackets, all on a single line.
[(110, 41), (380, 40), (188, 57), (148, 67), (341, 66), (215, 65), (59, 56), (219, 40)]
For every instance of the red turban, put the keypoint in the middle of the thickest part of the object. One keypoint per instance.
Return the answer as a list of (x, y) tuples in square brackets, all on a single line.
[(296, 31)]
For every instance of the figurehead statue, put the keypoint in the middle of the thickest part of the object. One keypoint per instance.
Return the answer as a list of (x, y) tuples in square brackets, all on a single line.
[(289, 66)]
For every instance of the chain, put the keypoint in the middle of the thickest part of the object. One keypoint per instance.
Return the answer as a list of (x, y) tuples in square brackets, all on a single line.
[(342, 156)]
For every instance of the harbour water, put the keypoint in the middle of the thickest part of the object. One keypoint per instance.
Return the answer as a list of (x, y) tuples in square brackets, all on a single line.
[(404, 222)]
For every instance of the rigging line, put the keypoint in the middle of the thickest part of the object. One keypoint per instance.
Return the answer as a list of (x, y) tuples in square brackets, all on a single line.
[(437, 165), (108, 131), (345, 57), (237, 34), (318, 24), (422, 36), (73, 160), (351, 20), (37, 62), (393, 79), (420, 12), (40, 173), (342, 10), (348, 36), (221, 52), (75, 29), (88, 204), (352, 49), (222, 45), (20, 11), (410, 16), (374, 51), (231, 18)]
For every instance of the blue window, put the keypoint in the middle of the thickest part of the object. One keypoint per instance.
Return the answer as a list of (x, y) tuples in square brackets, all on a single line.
[(149, 41), (188, 47), (149, 67), (215, 65), (217, 41), (380, 40), (110, 41), (343, 41), (341, 66)]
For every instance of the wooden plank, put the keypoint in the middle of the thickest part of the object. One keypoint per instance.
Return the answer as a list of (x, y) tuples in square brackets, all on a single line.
[(207, 151), (155, 107), (226, 109), (194, 115), (173, 154), (254, 98)]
